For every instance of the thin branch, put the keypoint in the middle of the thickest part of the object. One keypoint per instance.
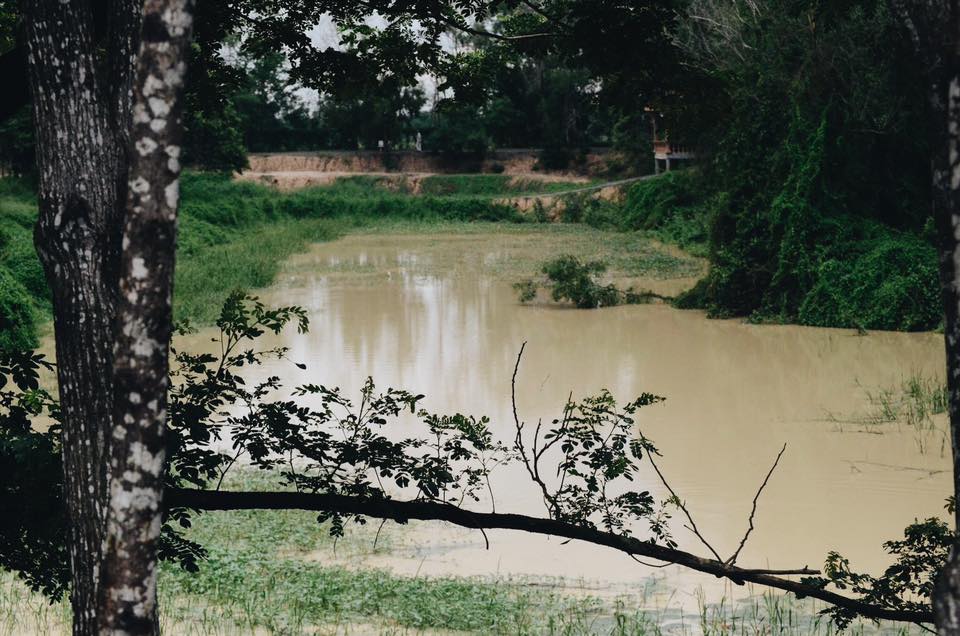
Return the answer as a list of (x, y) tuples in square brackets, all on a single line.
[(649, 565), (693, 524), (531, 466), (427, 510), (543, 14), (377, 537), (490, 34), (753, 511)]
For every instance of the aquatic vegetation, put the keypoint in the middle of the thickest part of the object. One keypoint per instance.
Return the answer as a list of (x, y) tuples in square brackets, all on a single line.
[(915, 403), (570, 280)]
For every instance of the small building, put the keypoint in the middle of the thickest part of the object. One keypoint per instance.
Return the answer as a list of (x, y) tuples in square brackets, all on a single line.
[(666, 154)]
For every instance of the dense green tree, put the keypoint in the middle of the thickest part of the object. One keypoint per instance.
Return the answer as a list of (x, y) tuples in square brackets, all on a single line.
[(815, 144)]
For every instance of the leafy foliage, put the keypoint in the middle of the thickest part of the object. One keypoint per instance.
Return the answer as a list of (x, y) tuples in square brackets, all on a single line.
[(33, 526), (342, 448), (907, 584), (816, 180), (598, 445), (16, 311)]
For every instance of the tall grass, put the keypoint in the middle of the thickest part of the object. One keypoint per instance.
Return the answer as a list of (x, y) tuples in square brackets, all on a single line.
[(916, 403)]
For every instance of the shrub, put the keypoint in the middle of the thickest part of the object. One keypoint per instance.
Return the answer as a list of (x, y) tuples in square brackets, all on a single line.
[(893, 284), (17, 315), (569, 279), (675, 207)]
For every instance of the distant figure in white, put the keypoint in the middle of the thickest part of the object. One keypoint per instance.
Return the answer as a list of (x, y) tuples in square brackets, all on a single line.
[(380, 145), (419, 142)]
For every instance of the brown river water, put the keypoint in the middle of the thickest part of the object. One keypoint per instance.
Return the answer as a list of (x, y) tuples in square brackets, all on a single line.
[(437, 315)]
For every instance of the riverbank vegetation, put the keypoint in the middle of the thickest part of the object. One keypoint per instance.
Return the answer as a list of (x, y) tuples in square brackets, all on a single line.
[(794, 265), (232, 235), (815, 172)]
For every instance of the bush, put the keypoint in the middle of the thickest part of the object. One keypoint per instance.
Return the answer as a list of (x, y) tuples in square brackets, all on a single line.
[(675, 207), (17, 315), (569, 279), (893, 284)]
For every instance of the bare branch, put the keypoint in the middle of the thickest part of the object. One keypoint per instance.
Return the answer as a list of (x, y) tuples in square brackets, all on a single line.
[(543, 14), (693, 524), (753, 511), (453, 24)]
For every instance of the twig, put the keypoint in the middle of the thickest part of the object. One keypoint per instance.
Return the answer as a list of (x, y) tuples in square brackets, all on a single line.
[(543, 14), (490, 34), (693, 524), (649, 565), (531, 466), (377, 537), (753, 511)]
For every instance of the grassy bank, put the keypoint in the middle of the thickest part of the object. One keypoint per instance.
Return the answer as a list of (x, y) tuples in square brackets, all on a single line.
[(493, 185), (859, 274)]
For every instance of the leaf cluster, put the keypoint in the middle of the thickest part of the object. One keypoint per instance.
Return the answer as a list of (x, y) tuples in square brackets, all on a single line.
[(598, 454), (907, 584), (33, 525)]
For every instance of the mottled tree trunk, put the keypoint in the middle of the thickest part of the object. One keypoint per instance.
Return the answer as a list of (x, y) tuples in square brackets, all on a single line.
[(128, 603), (935, 29), (946, 191), (80, 72)]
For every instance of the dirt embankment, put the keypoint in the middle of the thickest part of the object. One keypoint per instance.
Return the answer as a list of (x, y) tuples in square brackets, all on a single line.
[(500, 161), (302, 169), (405, 171)]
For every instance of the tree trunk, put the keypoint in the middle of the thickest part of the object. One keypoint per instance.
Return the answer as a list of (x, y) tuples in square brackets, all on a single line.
[(82, 124), (128, 602), (945, 102), (946, 191)]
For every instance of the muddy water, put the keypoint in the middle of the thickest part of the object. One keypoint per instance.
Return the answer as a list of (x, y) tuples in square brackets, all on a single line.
[(437, 315)]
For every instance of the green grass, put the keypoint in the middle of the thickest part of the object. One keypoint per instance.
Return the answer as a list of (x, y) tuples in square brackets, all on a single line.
[(492, 185), (245, 260), (236, 235), (669, 208)]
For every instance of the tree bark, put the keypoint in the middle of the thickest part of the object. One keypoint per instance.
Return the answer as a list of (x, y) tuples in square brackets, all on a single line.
[(935, 29), (128, 602), (81, 118), (946, 191)]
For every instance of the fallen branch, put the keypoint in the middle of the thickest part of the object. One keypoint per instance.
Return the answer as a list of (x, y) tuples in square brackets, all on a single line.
[(402, 511)]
